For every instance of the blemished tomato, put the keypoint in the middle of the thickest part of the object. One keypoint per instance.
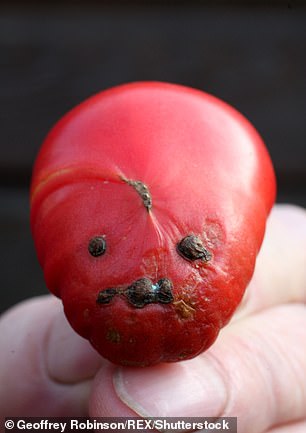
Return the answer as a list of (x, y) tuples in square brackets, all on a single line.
[(148, 208)]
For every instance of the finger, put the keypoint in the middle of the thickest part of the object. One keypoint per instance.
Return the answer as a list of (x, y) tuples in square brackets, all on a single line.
[(280, 272), (255, 371), (270, 374), (45, 368), (296, 427)]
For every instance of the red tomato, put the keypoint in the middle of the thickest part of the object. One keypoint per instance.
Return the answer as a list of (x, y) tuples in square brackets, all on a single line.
[(148, 208)]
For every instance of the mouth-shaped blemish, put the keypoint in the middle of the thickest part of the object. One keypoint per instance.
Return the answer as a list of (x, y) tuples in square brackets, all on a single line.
[(140, 293)]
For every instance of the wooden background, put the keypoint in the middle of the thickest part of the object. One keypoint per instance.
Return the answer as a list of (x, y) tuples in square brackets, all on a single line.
[(55, 54)]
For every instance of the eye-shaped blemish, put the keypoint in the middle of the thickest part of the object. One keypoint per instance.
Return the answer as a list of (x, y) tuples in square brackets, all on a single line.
[(97, 246), (191, 248)]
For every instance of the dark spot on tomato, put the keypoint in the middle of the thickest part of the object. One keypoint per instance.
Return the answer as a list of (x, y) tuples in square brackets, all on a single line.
[(164, 291), (140, 292), (113, 335), (97, 246), (192, 248), (105, 296)]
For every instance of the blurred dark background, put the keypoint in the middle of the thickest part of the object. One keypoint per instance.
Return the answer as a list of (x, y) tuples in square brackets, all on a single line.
[(55, 54)]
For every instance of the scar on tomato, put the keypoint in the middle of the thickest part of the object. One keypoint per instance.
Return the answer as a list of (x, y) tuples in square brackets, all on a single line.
[(113, 335), (140, 293), (97, 246), (143, 191), (191, 248), (184, 309)]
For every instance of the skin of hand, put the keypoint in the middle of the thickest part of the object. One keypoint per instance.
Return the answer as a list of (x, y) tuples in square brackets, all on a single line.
[(256, 370)]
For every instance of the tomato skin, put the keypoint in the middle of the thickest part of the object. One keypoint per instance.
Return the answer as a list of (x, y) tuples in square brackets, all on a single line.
[(208, 175)]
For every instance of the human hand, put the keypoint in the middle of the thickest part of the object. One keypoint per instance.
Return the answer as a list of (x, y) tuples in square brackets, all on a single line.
[(256, 370)]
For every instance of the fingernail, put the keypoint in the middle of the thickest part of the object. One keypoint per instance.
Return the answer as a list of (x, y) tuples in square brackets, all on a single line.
[(69, 357), (190, 388)]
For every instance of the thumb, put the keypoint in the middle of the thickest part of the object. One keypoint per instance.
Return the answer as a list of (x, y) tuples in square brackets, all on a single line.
[(45, 368), (256, 371)]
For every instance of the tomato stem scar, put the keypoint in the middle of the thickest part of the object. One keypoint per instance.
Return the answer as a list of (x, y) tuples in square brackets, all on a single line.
[(142, 190)]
